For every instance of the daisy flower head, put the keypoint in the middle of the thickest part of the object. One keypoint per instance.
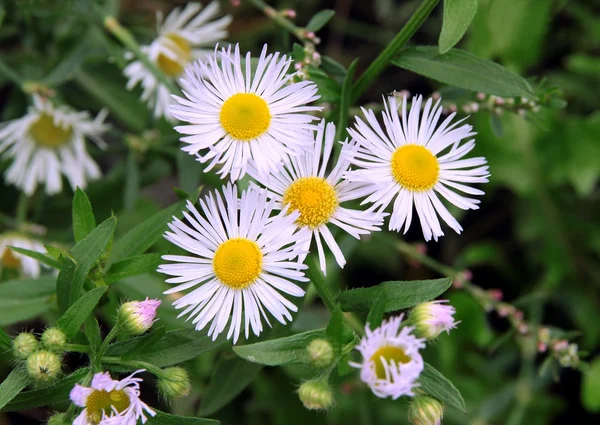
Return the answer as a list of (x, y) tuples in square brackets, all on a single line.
[(182, 38), (303, 184), (412, 160), (11, 259), (48, 142), (241, 261), (432, 318), (110, 402), (237, 115), (391, 360)]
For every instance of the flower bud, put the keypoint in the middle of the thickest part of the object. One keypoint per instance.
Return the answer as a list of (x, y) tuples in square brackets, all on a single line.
[(320, 353), (425, 410), (136, 317), (54, 339), (432, 318), (58, 419), (316, 395), (43, 365), (175, 383), (24, 345)]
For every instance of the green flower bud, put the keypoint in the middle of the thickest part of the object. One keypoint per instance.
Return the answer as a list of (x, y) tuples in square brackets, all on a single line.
[(24, 345), (54, 339), (175, 383), (136, 317), (320, 352), (316, 395), (43, 365), (58, 419), (425, 410)]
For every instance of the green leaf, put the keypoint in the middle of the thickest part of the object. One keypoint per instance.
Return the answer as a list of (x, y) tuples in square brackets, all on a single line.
[(39, 256), (83, 215), (57, 392), (375, 316), (76, 315), (146, 342), (590, 387), (70, 63), (162, 418), (496, 125), (345, 102), (12, 385), (231, 376), (281, 351), (328, 88), (132, 181), (320, 20), (145, 234), (92, 332), (458, 15), (338, 332), (84, 254), (188, 171), (173, 348), (21, 300), (27, 288), (298, 52), (399, 294), (133, 266), (333, 67), (5, 341), (462, 69), (436, 385)]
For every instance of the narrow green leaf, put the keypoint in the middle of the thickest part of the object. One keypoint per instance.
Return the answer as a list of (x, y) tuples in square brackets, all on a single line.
[(436, 385), (146, 342), (15, 311), (345, 102), (162, 418), (12, 385), (70, 63), (375, 316), (57, 392), (462, 69), (133, 266), (188, 171), (399, 294), (590, 387), (27, 288), (39, 256), (338, 332), (458, 15), (320, 19), (298, 52), (333, 67), (5, 341), (21, 300), (76, 315), (231, 376), (83, 215), (92, 332), (328, 88), (132, 181), (281, 351), (496, 125)]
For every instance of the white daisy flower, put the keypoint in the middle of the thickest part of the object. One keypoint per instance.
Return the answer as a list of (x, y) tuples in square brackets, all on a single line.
[(11, 259), (304, 185), (110, 402), (47, 142), (391, 361), (181, 38), (412, 162), (237, 116), (242, 258)]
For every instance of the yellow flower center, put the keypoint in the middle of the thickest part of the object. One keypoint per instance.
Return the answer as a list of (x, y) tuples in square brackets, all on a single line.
[(415, 167), (314, 198), (238, 262), (389, 354), (9, 260), (245, 116), (183, 55), (47, 134), (100, 402)]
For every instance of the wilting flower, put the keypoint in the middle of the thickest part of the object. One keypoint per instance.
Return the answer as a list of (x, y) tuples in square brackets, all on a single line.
[(136, 317), (181, 39), (11, 259), (432, 318), (238, 116), (410, 162), (242, 258), (49, 142), (391, 360), (110, 402)]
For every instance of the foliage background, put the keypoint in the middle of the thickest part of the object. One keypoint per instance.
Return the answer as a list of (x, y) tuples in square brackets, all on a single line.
[(536, 236)]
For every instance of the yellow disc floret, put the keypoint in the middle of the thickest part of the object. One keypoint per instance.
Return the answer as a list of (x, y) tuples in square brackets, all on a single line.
[(238, 262), (182, 50), (100, 402), (314, 198), (9, 260), (48, 134), (389, 354), (415, 167), (245, 116)]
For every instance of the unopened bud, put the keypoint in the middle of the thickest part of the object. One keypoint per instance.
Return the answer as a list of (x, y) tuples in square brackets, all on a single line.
[(174, 383), (316, 394), (24, 345), (136, 317), (54, 340), (43, 365), (320, 352), (58, 419), (432, 318), (425, 410)]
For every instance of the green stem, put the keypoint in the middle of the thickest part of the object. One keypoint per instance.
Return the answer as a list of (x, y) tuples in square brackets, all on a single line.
[(405, 34), (276, 17), (125, 37), (22, 207), (155, 370), (318, 280), (77, 348), (111, 335)]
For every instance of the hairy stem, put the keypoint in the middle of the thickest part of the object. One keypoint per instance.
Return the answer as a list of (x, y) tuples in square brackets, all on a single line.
[(276, 17)]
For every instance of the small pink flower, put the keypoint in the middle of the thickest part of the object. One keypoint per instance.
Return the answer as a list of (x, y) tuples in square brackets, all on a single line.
[(432, 318), (137, 317)]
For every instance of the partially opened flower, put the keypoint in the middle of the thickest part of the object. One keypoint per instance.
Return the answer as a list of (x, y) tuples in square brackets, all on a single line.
[(391, 361), (11, 259), (182, 38), (110, 402), (241, 261), (49, 142), (432, 318), (239, 116), (305, 185), (410, 162), (136, 317)]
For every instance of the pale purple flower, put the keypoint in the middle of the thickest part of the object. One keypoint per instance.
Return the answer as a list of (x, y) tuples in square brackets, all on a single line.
[(137, 317), (432, 318)]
